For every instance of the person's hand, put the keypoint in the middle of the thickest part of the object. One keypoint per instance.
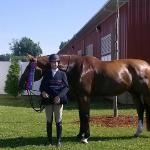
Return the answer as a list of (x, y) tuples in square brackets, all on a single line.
[(56, 100), (45, 95)]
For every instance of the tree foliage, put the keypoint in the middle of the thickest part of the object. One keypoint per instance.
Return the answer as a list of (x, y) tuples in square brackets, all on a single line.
[(5, 57), (25, 46), (11, 84), (63, 44)]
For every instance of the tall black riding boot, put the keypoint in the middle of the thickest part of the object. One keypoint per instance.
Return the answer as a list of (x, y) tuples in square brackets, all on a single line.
[(49, 132), (59, 133)]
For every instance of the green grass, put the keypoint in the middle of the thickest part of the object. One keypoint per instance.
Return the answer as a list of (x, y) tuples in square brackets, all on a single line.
[(23, 128)]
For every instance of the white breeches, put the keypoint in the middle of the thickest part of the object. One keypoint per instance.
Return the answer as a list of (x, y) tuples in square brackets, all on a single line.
[(56, 110)]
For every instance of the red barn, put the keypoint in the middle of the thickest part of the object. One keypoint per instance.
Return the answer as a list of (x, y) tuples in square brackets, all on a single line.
[(119, 30), (126, 22)]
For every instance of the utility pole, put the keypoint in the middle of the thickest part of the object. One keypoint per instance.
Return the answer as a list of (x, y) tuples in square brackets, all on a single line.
[(118, 20), (115, 106)]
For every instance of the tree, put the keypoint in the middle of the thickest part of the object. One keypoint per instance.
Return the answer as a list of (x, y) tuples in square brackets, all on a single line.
[(25, 46), (63, 44), (5, 57), (11, 84)]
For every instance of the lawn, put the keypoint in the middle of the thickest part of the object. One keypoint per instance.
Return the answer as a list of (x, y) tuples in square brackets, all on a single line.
[(23, 128)]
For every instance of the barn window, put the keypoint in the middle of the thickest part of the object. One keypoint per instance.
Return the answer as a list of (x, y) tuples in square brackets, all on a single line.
[(89, 50), (106, 57), (106, 44)]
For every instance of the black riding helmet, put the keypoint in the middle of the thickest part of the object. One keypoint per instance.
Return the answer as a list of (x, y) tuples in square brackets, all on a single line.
[(54, 57)]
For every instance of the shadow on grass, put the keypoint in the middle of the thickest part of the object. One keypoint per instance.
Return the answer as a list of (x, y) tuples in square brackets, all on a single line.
[(101, 139), (40, 141), (25, 141)]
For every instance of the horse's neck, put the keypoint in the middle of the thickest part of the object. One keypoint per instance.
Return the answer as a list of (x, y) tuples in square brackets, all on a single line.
[(43, 60), (76, 60)]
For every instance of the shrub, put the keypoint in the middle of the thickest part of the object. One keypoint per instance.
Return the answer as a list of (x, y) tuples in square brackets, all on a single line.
[(11, 84)]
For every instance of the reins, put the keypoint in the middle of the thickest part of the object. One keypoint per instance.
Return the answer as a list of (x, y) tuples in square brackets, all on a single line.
[(29, 88), (30, 95)]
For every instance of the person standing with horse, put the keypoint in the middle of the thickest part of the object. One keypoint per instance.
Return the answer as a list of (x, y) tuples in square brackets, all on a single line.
[(54, 88)]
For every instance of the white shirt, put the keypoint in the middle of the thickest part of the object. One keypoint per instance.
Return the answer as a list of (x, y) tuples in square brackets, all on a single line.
[(54, 71)]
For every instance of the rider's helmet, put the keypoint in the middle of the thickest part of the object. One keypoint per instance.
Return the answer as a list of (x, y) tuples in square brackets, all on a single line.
[(54, 57)]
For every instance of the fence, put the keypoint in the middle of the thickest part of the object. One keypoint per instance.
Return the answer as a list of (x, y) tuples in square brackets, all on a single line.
[(4, 67)]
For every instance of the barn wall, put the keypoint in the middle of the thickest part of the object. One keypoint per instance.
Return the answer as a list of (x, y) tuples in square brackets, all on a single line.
[(139, 29), (123, 31)]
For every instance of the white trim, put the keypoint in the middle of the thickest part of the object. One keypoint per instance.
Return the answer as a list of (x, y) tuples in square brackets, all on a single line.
[(106, 57)]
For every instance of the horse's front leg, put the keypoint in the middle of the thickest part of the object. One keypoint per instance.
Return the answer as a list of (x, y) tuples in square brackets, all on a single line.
[(84, 114), (138, 100)]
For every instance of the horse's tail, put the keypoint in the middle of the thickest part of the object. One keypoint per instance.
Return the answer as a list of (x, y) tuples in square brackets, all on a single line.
[(147, 108)]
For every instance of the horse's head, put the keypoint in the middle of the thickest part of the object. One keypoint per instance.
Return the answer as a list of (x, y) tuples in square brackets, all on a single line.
[(41, 64), (38, 64), (64, 63)]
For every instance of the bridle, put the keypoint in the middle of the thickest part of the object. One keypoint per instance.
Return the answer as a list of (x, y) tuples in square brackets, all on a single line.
[(29, 87), (66, 70)]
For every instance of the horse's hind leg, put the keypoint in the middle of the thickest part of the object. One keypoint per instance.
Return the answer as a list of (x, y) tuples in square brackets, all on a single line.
[(81, 132), (147, 109), (139, 103)]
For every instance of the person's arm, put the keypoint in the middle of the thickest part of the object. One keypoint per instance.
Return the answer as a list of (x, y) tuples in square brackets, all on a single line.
[(64, 91)]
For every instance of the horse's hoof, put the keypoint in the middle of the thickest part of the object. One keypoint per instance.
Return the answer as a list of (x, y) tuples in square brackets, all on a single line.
[(84, 141), (138, 132)]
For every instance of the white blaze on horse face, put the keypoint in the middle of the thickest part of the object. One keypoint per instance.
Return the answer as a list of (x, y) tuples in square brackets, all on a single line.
[(139, 128)]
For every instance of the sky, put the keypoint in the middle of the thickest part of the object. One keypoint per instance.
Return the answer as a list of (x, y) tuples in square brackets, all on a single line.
[(48, 22)]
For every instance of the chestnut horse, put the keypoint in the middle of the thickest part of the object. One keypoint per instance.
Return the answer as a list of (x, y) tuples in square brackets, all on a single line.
[(88, 76)]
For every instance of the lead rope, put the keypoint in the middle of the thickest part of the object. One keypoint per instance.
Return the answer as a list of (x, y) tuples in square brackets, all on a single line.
[(29, 88)]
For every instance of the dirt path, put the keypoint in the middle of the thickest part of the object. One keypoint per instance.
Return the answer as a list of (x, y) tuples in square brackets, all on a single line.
[(110, 121)]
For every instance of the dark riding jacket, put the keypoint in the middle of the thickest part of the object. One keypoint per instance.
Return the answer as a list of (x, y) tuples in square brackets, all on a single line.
[(56, 85)]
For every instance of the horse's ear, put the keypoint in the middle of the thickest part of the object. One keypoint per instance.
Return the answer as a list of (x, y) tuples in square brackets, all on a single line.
[(31, 58)]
